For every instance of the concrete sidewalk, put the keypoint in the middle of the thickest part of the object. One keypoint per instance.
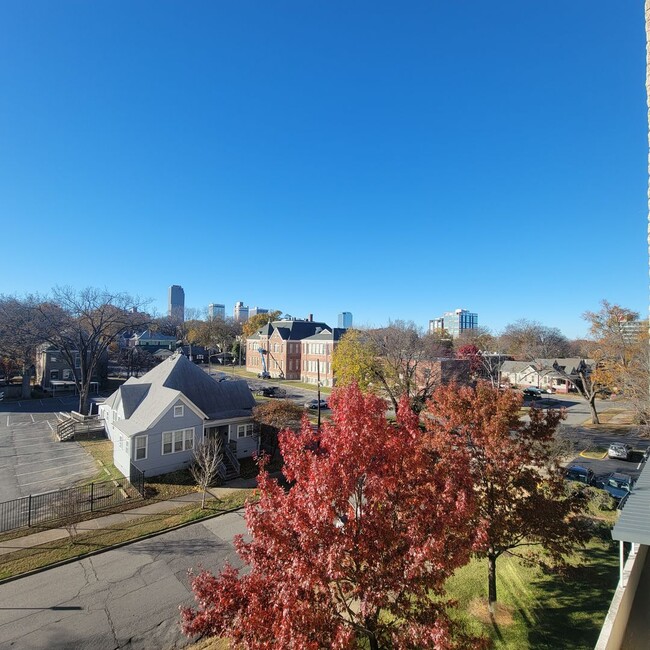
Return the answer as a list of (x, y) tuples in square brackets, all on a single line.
[(106, 521)]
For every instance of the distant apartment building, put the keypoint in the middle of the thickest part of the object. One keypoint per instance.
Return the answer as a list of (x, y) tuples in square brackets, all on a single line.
[(317, 352), (631, 330), (53, 372), (176, 303), (254, 311), (454, 322), (276, 348), (240, 312), (216, 311), (345, 320)]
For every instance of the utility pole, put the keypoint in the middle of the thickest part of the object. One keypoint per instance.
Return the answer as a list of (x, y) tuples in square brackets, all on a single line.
[(318, 384)]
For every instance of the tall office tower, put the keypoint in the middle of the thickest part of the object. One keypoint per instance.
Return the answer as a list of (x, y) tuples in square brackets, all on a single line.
[(454, 322), (345, 320), (176, 303), (240, 313), (253, 311), (216, 311)]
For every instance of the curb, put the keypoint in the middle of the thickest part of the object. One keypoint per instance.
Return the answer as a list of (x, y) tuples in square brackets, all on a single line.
[(77, 558)]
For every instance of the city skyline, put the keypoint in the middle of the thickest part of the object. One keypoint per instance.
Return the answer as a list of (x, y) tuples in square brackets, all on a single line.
[(394, 161)]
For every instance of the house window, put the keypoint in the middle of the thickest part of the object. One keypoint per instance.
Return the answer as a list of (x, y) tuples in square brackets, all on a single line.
[(244, 430), (140, 448), (54, 374), (174, 442), (67, 375), (77, 361), (179, 411)]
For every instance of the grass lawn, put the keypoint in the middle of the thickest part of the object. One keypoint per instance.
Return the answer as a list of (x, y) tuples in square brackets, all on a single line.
[(21, 561), (537, 609)]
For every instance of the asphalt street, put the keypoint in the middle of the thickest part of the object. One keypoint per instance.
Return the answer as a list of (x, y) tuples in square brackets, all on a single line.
[(31, 459), (125, 598)]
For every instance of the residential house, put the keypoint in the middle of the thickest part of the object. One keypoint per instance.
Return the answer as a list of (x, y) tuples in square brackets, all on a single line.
[(544, 373), (53, 372), (156, 420), (317, 352), (153, 341), (277, 347), (442, 371)]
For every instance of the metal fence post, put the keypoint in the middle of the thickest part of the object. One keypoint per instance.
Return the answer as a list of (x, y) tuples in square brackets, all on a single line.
[(29, 512), (92, 494)]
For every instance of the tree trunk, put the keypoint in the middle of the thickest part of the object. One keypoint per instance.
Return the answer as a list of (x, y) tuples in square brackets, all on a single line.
[(26, 391), (83, 400), (594, 413), (492, 582)]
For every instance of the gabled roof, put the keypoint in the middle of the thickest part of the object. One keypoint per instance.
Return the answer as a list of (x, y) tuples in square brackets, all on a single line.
[(148, 335), (145, 399), (515, 366), (291, 330), (326, 335)]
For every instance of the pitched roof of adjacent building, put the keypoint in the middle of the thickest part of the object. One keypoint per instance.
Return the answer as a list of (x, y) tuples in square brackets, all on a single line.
[(633, 525), (148, 335), (146, 398), (327, 335), (291, 330)]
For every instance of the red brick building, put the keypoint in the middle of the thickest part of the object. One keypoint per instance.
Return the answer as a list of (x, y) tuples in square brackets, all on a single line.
[(317, 352), (277, 347)]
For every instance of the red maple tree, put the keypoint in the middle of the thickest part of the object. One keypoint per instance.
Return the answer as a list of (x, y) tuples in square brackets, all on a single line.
[(518, 483), (355, 550)]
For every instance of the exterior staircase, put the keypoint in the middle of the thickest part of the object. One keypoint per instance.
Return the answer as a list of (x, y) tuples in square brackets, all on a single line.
[(229, 465), (75, 424)]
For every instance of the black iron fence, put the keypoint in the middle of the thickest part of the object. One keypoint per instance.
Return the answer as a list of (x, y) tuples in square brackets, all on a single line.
[(68, 503), (136, 478)]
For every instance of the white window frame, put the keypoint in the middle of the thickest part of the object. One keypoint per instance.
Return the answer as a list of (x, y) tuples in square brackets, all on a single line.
[(179, 411), (137, 448), (180, 440), (245, 430)]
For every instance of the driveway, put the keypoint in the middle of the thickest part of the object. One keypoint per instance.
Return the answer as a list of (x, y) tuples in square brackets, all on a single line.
[(31, 460), (126, 598)]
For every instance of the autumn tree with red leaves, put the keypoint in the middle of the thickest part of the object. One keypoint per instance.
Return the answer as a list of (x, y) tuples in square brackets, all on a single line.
[(518, 483), (351, 556)]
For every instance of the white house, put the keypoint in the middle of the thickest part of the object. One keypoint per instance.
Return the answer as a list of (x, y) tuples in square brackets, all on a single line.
[(156, 420)]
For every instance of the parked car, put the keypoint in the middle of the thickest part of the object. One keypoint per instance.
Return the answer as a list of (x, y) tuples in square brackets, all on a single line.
[(580, 474), (313, 404), (533, 392), (620, 450), (271, 391), (616, 484)]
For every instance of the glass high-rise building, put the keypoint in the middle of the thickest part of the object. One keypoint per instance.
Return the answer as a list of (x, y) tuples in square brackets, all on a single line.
[(345, 320), (454, 322), (216, 311), (240, 313), (176, 303)]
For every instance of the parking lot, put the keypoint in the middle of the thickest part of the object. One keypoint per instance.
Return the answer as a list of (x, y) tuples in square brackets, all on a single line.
[(31, 459)]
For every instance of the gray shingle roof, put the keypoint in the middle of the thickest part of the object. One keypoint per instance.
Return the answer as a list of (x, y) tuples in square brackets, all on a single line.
[(145, 398), (291, 330), (326, 335), (634, 523)]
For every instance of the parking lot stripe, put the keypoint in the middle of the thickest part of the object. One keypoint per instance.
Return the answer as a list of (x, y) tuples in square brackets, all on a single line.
[(51, 460), (45, 480), (54, 469)]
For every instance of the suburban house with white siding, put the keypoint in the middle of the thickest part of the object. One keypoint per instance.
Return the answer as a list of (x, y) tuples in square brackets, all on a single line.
[(156, 420)]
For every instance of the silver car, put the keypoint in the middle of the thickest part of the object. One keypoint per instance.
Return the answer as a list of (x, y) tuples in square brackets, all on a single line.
[(620, 450)]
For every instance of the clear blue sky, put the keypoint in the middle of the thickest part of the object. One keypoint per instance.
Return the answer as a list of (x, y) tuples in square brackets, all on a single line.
[(392, 159)]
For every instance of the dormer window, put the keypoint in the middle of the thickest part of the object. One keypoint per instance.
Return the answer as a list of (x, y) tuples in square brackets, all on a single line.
[(179, 411)]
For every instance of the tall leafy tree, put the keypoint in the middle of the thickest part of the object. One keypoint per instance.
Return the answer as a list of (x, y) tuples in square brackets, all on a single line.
[(528, 340), (259, 320), (519, 487), (353, 553), (394, 361), (20, 335), (85, 323)]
